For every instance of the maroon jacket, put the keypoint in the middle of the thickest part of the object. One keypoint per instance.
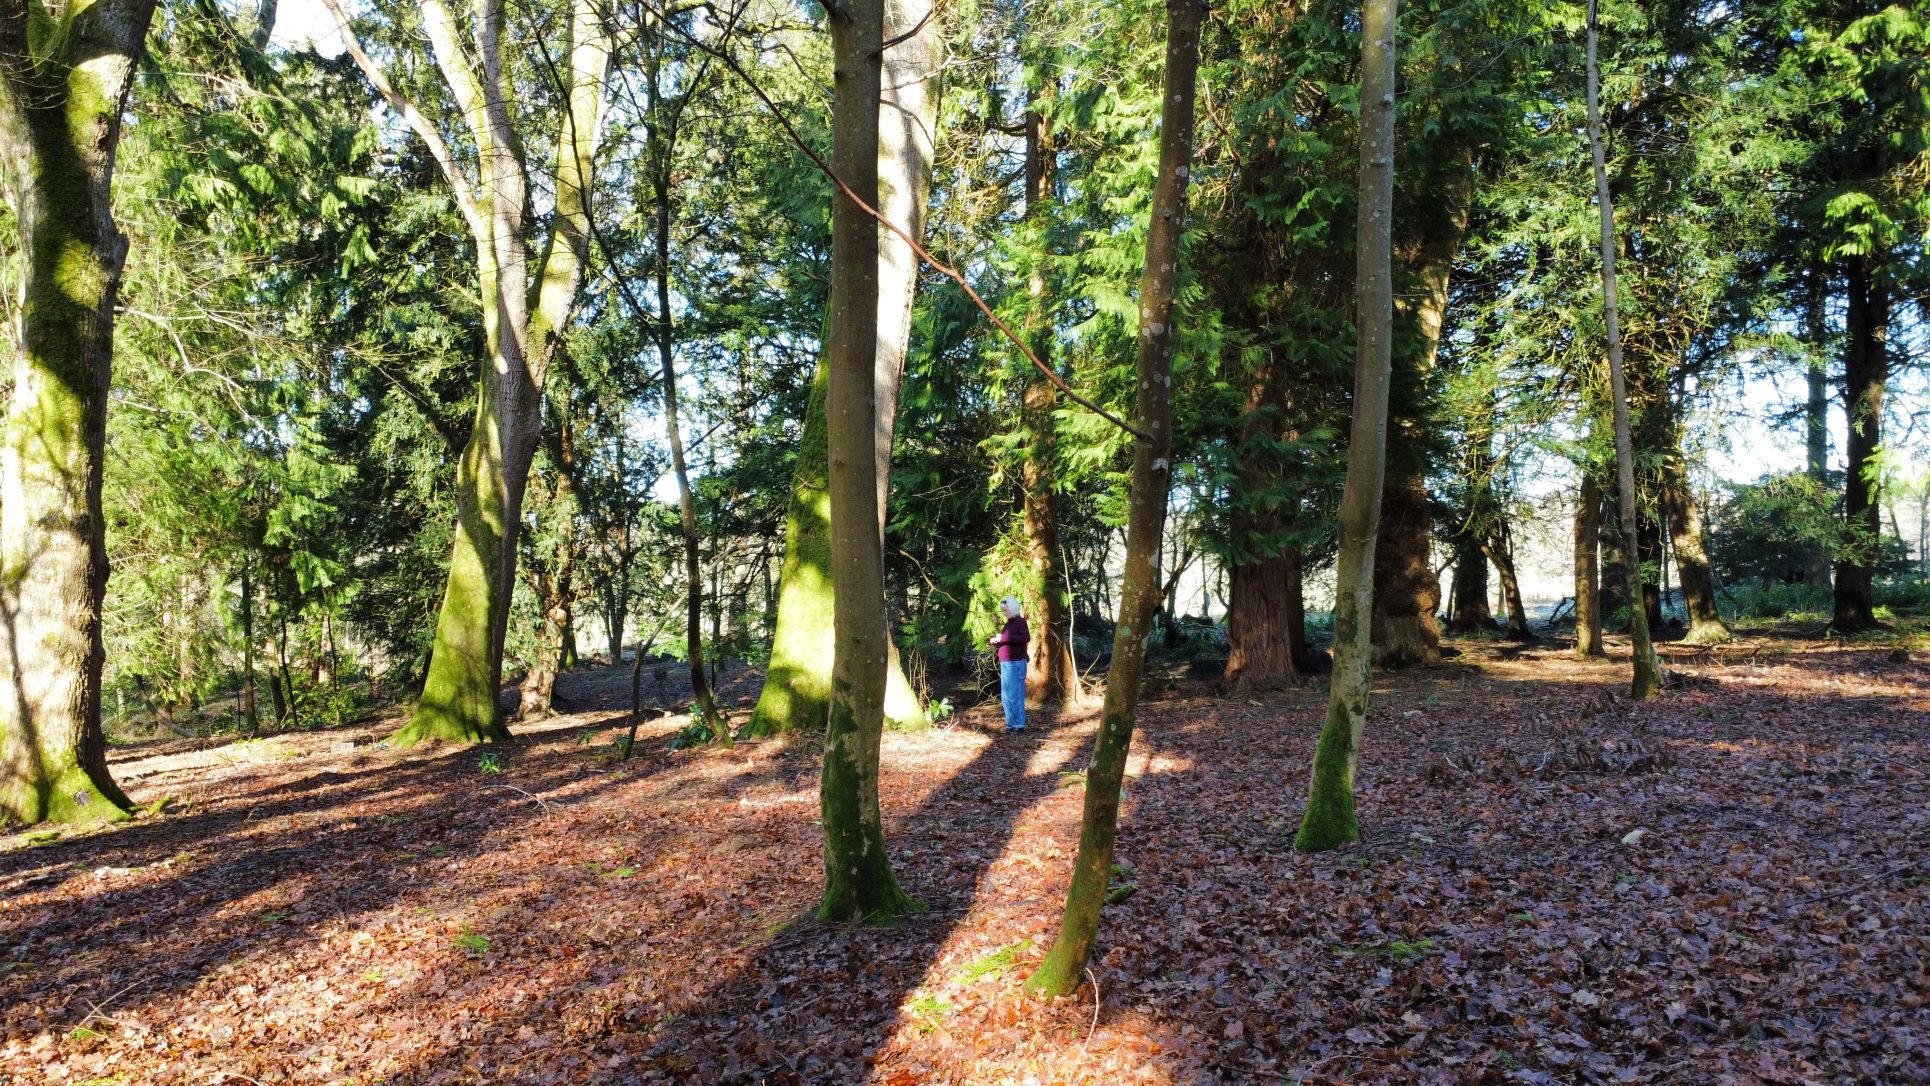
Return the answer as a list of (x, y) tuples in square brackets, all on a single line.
[(1011, 640)]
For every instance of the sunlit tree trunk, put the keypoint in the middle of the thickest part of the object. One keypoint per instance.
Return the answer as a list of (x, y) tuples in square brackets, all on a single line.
[(858, 881), (524, 318), (1647, 673), (1588, 575), (61, 97), (1065, 962), (1865, 370), (1329, 820), (797, 683)]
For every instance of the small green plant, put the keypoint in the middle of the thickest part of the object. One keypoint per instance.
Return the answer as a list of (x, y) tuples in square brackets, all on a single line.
[(373, 976), (998, 961), (490, 763), (1626, 878), (940, 710), (625, 872), (106, 1080), (272, 917), (1524, 917), (469, 941), (928, 1009), (694, 734), (82, 1033), (1401, 950)]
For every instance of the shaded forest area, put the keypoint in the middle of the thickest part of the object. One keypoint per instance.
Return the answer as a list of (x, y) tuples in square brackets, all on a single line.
[(1011, 541)]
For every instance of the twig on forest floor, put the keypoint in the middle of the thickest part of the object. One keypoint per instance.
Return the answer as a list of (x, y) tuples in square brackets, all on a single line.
[(1095, 1011), (539, 799), (1859, 884)]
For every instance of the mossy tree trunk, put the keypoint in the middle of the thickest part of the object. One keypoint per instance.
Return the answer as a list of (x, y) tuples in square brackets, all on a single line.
[(858, 881), (1646, 678), (1865, 371), (1065, 962), (1588, 574), (1330, 820), (797, 685), (61, 96), (553, 577), (525, 313)]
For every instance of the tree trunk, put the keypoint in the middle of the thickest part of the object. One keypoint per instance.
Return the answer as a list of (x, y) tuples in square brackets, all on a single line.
[(1407, 593), (1588, 576), (1404, 628), (1266, 624), (1065, 963), (1646, 671), (858, 881), (1865, 370), (1648, 540), (1499, 551), (1330, 821), (797, 684), (261, 28), (1691, 553), (458, 700), (1472, 613), (1816, 572), (554, 577), (61, 96), (250, 712), (1051, 674)]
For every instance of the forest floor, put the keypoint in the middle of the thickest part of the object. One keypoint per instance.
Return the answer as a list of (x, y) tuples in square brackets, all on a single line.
[(1725, 885)]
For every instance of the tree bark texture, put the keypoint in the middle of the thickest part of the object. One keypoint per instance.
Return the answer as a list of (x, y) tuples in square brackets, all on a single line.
[(524, 319), (1330, 820), (1865, 372), (61, 98), (1063, 969), (797, 684), (1588, 572), (1646, 676), (859, 884)]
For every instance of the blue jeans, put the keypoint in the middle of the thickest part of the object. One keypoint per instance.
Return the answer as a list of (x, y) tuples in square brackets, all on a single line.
[(1012, 693)]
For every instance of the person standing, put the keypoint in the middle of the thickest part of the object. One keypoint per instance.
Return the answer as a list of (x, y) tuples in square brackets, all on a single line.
[(1011, 642)]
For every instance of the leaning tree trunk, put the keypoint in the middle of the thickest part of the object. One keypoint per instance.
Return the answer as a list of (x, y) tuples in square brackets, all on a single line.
[(797, 684), (555, 584), (1865, 369), (61, 96), (1329, 821), (1499, 551), (1588, 574), (1647, 673), (1691, 551), (858, 881), (1064, 967)]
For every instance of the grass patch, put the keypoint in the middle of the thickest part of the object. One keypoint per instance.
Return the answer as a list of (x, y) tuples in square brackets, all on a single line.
[(992, 964), (1400, 950)]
